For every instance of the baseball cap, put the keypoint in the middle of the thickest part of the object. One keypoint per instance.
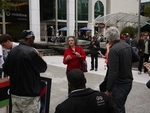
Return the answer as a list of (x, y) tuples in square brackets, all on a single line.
[(27, 34)]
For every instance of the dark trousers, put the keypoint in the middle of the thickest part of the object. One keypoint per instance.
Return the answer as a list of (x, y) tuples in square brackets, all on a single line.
[(1, 70), (144, 58), (119, 96), (94, 57)]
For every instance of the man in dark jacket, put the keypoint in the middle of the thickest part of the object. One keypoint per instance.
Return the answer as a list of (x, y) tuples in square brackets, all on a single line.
[(94, 48), (120, 59), (24, 65), (82, 99)]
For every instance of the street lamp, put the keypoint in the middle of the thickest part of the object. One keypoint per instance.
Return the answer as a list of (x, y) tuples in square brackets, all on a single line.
[(139, 27)]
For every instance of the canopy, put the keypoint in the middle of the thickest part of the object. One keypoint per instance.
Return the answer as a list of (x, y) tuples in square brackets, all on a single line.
[(112, 19), (63, 29), (85, 29), (145, 27)]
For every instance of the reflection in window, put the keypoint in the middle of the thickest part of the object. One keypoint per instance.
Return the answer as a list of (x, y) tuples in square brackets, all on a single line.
[(62, 9), (82, 9), (99, 9)]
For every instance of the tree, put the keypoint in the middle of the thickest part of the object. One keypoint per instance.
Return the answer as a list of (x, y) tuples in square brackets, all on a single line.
[(4, 5), (147, 10)]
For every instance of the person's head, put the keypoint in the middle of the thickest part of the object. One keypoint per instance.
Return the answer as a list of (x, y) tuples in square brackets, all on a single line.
[(76, 79), (27, 36), (145, 35), (94, 38), (6, 41), (112, 34), (71, 41)]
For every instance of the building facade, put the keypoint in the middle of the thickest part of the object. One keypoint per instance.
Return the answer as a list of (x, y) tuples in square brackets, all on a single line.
[(46, 17)]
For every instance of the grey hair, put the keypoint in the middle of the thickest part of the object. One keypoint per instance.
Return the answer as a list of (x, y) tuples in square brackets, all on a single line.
[(112, 34)]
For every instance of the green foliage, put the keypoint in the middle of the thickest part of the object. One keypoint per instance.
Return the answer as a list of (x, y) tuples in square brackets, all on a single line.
[(131, 30), (5, 4), (147, 10)]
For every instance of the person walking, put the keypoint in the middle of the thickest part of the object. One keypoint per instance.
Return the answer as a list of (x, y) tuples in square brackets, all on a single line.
[(120, 59), (82, 99), (73, 55), (143, 46), (94, 48), (24, 65)]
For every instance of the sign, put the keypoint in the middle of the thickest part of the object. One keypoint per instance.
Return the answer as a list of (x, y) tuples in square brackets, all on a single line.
[(44, 94), (4, 92), (101, 25)]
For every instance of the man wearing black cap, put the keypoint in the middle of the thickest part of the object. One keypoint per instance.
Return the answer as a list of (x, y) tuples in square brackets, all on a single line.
[(82, 99), (24, 66)]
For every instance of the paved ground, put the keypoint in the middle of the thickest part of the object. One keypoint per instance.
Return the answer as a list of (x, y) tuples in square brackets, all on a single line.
[(138, 98)]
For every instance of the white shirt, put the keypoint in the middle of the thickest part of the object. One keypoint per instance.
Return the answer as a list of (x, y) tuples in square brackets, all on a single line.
[(1, 56)]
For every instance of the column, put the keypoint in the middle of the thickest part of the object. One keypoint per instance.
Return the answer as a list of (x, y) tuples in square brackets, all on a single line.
[(91, 16), (34, 18), (70, 17)]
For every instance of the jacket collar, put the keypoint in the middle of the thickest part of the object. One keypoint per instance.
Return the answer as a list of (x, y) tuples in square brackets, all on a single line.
[(81, 92)]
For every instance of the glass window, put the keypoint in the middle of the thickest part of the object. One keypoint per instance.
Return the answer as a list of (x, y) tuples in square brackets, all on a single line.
[(62, 9), (83, 10), (99, 9)]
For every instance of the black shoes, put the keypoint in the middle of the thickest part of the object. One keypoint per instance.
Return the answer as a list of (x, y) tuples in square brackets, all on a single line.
[(91, 69)]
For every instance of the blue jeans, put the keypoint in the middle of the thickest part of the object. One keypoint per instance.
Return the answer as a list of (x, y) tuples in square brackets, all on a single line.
[(119, 96)]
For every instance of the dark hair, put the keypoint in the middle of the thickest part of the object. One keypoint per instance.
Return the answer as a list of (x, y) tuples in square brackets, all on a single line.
[(4, 38), (75, 40), (76, 78)]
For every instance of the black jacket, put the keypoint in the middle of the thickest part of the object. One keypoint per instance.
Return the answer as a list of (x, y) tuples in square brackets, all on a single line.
[(24, 66), (93, 50), (85, 101)]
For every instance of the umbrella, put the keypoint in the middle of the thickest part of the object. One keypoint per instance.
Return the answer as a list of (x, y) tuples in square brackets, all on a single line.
[(85, 29), (145, 27), (63, 29)]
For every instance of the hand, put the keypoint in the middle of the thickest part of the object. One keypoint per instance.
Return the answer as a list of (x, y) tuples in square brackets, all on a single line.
[(94, 46), (108, 93), (77, 54), (68, 57), (147, 65)]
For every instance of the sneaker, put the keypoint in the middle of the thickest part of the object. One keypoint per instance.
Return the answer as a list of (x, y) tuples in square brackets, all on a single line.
[(95, 69), (139, 72)]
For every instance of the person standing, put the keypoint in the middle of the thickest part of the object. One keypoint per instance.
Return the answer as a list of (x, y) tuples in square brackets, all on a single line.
[(73, 55), (24, 65), (94, 48), (143, 46), (82, 99), (120, 59), (1, 61)]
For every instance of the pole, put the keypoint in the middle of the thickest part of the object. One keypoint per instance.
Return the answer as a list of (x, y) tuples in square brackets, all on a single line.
[(56, 18), (3, 21), (76, 18), (139, 27)]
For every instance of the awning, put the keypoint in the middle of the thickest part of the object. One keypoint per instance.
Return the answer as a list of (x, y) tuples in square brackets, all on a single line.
[(112, 19), (85, 29), (63, 29)]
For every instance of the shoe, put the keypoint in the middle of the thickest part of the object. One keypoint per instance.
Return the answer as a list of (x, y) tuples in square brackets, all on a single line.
[(95, 69), (91, 69), (139, 72)]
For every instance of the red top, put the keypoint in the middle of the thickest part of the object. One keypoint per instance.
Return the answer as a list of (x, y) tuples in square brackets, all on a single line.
[(75, 62)]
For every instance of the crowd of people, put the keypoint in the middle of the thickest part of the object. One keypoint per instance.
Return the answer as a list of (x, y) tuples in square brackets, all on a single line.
[(23, 64)]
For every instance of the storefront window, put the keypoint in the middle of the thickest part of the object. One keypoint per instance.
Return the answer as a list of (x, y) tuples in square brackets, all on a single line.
[(83, 10), (99, 9), (62, 9)]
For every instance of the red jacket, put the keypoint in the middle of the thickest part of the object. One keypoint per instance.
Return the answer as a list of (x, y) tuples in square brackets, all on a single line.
[(75, 62)]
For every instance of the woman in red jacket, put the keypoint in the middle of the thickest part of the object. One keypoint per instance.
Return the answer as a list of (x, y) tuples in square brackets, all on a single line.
[(73, 55)]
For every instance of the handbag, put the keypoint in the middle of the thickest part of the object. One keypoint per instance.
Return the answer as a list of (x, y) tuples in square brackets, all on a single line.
[(84, 66)]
